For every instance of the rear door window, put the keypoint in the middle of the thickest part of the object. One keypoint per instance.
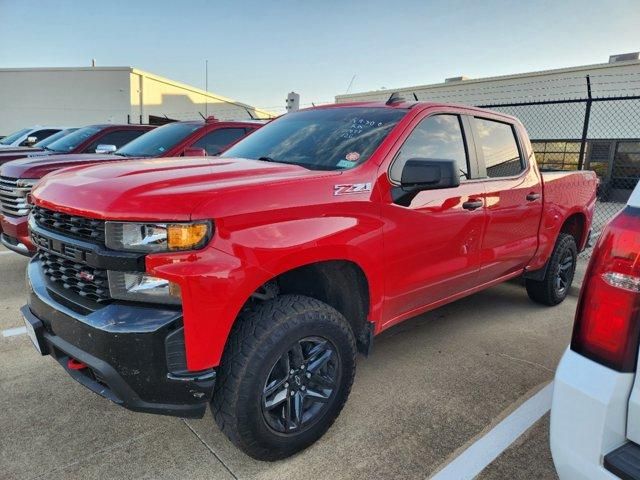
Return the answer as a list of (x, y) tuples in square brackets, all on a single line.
[(40, 135), (499, 148), (118, 138), (216, 141)]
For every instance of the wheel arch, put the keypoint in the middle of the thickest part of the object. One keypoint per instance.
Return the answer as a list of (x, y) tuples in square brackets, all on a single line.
[(576, 226)]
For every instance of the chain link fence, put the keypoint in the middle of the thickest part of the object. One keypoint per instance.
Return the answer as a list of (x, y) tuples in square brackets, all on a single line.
[(591, 133)]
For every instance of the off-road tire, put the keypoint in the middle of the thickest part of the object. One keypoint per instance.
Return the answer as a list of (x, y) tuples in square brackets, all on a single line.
[(258, 338), (546, 291)]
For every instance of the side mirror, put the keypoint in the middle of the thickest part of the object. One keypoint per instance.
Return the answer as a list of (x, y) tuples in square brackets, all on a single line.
[(195, 152), (31, 141), (106, 149), (429, 174)]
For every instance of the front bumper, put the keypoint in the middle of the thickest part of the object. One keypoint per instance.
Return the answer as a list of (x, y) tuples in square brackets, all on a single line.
[(588, 416), (134, 354), (15, 235)]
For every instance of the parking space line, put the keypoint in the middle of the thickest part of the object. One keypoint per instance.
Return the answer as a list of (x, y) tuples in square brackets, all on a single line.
[(487, 448), (6, 252), (12, 332)]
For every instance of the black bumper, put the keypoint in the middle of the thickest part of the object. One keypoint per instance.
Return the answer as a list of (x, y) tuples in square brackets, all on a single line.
[(134, 353)]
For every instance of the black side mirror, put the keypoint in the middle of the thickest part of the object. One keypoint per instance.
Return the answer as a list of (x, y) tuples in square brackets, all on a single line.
[(429, 174)]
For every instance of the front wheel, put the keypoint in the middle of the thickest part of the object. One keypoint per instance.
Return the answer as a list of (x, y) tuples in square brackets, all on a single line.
[(285, 376), (555, 285)]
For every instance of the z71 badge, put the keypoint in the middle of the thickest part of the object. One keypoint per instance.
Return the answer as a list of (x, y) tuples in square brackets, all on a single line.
[(351, 188)]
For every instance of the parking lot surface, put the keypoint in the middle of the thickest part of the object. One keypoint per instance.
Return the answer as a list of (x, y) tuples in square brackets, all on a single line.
[(432, 387)]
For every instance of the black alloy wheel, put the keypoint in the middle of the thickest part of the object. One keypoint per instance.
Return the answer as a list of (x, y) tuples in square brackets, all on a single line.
[(564, 274), (300, 385)]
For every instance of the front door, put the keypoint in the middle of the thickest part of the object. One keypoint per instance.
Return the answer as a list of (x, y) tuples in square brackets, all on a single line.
[(432, 239)]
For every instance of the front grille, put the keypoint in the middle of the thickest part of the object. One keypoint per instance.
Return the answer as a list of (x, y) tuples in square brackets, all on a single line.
[(87, 282), (13, 199), (74, 226)]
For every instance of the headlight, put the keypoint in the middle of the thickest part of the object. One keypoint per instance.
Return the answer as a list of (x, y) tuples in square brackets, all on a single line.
[(157, 237), (140, 287), (27, 182)]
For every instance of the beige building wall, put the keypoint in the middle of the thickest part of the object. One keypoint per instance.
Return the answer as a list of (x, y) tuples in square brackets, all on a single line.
[(158, 96)]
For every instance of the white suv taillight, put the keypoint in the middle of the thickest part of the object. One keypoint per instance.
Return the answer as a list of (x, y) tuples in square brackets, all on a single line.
[(607, 327)]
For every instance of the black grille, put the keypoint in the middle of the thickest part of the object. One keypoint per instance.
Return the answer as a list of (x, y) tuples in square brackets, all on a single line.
[(87, 282), (78, 227)]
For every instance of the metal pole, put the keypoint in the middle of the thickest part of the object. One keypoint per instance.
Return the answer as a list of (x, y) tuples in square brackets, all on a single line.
[(206, 87), (585, 126)]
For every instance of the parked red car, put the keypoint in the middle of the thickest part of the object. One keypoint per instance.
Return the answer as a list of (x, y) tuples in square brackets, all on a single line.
[(251, 280), (197, 138)]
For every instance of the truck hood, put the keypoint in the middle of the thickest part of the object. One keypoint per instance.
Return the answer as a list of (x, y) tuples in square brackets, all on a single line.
[(38, 165), (158, 189), (13, 155)]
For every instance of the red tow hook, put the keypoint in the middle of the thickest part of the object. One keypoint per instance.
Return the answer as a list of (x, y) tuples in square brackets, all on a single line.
[(73, 364)]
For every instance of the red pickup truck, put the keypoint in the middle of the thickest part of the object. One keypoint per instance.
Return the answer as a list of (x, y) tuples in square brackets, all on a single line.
[(251, 280), (195, 138)]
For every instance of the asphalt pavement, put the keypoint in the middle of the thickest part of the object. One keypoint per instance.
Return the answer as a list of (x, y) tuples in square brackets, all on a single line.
[(433, 386)]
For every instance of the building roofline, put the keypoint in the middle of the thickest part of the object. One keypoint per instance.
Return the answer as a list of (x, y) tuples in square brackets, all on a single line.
[(66, 69), (471, 81)]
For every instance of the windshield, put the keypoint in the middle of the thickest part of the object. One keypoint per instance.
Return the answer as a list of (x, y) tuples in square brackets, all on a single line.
[(322, 139), (158, 141), (9, 139), (54, 137), (71, 141)]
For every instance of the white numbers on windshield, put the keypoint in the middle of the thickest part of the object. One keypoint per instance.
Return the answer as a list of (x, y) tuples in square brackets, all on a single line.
[(359, 126)]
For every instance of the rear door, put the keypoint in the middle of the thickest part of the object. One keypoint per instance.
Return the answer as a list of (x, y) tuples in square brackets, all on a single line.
[(432, 239), (513, 198)]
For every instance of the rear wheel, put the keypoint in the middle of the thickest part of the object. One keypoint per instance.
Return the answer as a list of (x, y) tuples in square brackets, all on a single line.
[(285, 376), (555, 285)]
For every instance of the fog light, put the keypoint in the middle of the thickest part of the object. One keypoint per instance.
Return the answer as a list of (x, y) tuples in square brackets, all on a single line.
[(140, 287)]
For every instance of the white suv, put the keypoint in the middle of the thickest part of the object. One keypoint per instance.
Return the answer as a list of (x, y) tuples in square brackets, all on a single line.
[(28, 136), (595, 415)]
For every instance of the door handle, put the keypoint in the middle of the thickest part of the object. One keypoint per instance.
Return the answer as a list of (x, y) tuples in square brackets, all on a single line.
[(533, 196), (472, 204)]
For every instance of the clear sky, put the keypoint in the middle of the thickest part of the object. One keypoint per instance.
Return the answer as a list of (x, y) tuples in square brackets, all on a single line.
[(260, 50)]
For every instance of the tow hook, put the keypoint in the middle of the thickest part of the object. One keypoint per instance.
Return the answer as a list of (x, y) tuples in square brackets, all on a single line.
[(73, 364)]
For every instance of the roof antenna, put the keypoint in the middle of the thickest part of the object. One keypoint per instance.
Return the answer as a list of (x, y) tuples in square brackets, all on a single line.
[(395, 97), (415, 96), (203, 117)]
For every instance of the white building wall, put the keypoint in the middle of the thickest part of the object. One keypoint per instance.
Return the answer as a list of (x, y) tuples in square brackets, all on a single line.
[(558, 121), (69, 97), (82, 96)]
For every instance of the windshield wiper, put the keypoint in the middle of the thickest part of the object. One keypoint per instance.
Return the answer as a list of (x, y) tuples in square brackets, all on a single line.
[(268, 159)]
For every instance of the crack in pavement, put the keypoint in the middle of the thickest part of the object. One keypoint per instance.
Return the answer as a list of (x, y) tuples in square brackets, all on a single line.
[(209, 448), (522, 360)]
